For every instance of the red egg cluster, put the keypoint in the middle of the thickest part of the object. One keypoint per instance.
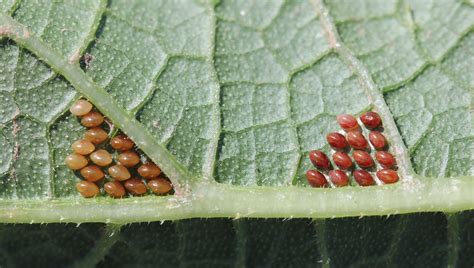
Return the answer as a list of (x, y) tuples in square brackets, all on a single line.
[(93, 159), (362, 166)]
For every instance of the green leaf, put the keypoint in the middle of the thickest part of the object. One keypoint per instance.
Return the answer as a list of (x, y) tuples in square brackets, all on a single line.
[(414, 240), (228, 98)]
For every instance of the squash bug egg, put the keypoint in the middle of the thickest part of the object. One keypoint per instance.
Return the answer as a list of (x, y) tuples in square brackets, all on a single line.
[(101, 158), (386, 159), (135, 186), (371, 119), (96, 135), (347, 122), (342, 160), (339, 178), (363, 178), (149, 170), (92, 119), (319, 159), (83, 147), (362, 158), (114, 189), (377, 139), (75, 161), (336, 140), (87, 189), (81, 107), (160, 186), (356, 140), (387, 175), (92, 173), (119, 172), (121, 143), (315, 178), (128, 159)]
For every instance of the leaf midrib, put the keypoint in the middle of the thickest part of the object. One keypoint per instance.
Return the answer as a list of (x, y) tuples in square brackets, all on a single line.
[(219, 200)]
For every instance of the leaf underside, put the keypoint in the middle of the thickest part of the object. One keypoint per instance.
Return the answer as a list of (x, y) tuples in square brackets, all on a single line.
[(239, 92)]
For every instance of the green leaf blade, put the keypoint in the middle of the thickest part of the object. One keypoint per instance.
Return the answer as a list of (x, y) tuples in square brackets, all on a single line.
[(275, 97)]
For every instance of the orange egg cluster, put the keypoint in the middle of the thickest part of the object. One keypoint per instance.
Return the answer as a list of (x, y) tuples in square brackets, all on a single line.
[(94, 160), (361, 165)]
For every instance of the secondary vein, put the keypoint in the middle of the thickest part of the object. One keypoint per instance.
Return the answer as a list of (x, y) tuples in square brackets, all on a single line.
[(178, 174), (373, 93), (320, 227), (453, 239), (110, 236)]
